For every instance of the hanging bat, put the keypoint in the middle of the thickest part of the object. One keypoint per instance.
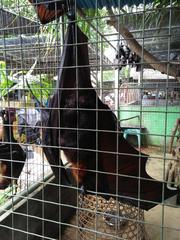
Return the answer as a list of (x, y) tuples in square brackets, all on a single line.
[(88, 132), (48, 11), (12, 156)]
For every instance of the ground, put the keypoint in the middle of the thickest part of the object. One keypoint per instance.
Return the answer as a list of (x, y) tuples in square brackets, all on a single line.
[(163, 221)]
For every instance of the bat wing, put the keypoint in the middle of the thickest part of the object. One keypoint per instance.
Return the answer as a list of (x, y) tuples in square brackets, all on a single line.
[(13, 156), (134, 185), (50, 141), (48, 11), (68, 77)]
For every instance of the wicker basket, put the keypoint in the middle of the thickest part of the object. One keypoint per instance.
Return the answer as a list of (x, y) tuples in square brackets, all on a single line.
[(98, 219)]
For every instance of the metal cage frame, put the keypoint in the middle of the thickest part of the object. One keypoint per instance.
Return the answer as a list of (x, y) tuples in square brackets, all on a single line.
[(145, 102)]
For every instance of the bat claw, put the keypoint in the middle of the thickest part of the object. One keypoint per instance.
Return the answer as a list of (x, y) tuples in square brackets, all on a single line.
[(82, 194), (83, 190)]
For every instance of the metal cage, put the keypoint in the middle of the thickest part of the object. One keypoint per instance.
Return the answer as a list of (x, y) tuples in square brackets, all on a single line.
[(50, 190)]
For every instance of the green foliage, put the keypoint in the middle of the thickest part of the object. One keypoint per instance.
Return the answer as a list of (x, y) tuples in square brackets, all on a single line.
[(165, 3), (90, 14), (5, 82), (2, 71), (108, 75), (156, 15), (20, 7), (41, 88), (160, 13), (7, 194), (97, 18)]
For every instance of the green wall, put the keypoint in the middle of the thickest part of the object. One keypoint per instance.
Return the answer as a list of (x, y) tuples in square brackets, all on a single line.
[(158, 121)]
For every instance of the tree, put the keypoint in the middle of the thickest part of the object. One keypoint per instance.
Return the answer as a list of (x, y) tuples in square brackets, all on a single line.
[(159, 6), (159, 13)]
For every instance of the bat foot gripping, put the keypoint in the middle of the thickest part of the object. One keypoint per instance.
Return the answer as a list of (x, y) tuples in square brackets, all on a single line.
[(83, 192)]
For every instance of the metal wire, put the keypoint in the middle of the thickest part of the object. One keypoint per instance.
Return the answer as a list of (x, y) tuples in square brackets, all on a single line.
[(43, 206)]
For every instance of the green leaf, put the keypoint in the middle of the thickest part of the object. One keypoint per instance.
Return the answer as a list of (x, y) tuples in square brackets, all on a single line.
[(41, 88), (5, 82)]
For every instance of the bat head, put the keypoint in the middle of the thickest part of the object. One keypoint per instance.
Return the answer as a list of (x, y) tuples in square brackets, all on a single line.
[(12, 156), (12, 159)]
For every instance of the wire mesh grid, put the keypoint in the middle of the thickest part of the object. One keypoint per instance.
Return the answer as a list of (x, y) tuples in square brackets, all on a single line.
[(133, 59)]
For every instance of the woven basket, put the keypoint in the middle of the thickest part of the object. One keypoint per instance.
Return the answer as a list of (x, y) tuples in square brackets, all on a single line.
[(98, 219)]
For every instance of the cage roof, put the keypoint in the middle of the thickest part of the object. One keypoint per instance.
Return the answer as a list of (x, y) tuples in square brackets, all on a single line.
[(109, 3), (20, 54)]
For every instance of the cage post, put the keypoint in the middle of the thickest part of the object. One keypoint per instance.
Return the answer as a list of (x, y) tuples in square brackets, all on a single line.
[(116, 91), (101, 67)]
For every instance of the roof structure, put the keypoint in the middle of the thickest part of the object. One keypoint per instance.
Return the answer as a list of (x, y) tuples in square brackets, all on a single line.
[(11, 24), (109, 3), (23, 47), (21, 53), (20, 46), (162, 41)]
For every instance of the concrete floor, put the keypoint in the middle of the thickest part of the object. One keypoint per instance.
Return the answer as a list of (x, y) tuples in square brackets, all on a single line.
[(163, 222)]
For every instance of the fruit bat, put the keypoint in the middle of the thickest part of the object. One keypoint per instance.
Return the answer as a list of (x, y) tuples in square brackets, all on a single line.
[(12, 156), (48, 11), (88, 132)]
